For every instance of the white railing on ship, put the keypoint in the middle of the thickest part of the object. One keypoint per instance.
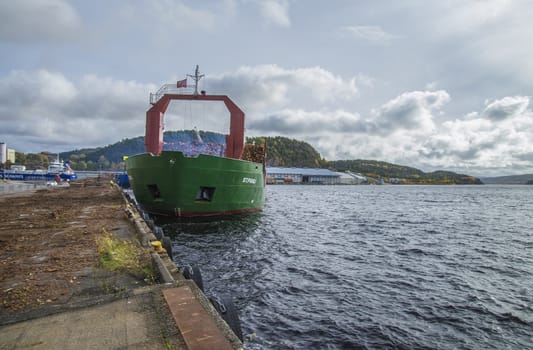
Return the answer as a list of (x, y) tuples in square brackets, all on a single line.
[(169, 89)]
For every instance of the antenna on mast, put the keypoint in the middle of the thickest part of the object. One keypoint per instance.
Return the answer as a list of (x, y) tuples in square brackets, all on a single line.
[(196, 77)]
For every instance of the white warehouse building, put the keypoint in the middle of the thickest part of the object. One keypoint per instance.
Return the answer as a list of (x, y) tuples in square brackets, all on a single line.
[(279, 175), (302, 175)]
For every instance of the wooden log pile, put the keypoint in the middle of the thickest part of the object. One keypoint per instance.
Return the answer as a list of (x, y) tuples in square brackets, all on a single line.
[(254, 153)]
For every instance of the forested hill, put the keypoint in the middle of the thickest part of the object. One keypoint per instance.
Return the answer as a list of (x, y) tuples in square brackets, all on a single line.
[(103, 158), (110, 156), (285, 152), (281, 152)]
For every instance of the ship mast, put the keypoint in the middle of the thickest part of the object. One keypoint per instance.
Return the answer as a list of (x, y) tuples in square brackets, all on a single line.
[(196, 77)]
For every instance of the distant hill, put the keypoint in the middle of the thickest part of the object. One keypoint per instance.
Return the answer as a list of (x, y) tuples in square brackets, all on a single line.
[(281, 151), (401, 174), (526, 179), (110, 156)]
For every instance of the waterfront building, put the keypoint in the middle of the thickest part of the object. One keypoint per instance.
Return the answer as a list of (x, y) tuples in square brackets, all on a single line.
[(11, 155), (3, 152), (6, 154), (278, 175)]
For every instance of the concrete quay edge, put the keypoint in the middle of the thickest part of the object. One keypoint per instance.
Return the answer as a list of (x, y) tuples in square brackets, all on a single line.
[(171, 277)]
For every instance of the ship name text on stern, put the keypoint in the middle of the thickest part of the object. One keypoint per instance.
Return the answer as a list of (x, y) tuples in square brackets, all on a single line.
[(249, 180)]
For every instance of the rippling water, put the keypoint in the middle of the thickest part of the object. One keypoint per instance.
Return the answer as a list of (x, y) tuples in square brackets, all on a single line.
[(370, 267)]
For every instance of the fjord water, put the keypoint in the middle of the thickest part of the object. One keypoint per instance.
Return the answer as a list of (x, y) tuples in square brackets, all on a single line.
[(374, 267)]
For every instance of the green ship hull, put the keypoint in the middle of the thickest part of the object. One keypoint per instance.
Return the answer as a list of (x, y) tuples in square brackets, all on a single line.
[(173, 184)]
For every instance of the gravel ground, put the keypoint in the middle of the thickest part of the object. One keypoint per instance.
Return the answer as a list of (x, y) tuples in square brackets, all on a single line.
[(48, 251)]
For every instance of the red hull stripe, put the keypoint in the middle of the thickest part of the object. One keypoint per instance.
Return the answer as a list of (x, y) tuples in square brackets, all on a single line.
[(202, 214)]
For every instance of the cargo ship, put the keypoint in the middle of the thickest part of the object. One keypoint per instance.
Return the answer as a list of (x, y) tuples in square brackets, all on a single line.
[(207, 176)]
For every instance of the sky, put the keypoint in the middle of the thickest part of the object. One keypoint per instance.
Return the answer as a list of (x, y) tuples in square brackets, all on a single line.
[(436, 85)]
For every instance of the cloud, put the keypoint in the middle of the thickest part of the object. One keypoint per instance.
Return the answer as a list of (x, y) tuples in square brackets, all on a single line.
[(374, 34), (411, 110), (38, 20), (464, 17), (267, 88), (275, 12), (495, 138), (25, 93), (44, 110), (53, 111), (300, 123), (178, 16), (508, 107)]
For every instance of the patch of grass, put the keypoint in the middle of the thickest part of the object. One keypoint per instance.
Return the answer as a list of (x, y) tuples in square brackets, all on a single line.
[(123, 256)]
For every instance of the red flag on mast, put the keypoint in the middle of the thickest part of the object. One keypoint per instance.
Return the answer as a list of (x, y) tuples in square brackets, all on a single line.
[(181, 83)]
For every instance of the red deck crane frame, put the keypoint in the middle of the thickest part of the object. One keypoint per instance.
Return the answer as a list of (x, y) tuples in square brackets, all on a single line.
[(155, 117)]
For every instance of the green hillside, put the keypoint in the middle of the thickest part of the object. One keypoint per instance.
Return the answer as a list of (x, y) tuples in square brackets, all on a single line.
[(285, 152), (104, 158)]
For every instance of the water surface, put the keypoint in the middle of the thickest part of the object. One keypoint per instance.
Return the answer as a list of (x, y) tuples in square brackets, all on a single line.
[(374, 267)]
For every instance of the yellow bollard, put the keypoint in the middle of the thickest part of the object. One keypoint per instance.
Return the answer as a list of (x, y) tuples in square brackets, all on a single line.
[(158, 247)]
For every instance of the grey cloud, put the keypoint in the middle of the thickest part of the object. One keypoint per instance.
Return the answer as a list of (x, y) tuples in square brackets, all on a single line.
[(373, 34), (176, 15), (404, 114), (528, 157), (411, 110), (298, 122), (276, 12), (276, 124), (508, 107), (50, 109), (265, 88), (38, 20), (441, 151)]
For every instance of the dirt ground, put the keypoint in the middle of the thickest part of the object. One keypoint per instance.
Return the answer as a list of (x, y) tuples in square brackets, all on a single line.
[(48, 251)]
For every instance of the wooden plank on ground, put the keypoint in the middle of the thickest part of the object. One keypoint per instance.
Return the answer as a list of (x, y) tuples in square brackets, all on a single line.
[(196, 326)]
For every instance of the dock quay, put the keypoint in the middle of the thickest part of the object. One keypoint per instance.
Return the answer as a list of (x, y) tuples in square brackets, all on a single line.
[(63, 286)]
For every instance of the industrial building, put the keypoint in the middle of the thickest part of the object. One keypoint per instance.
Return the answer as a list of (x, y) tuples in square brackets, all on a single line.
[(6, 154), (278, 175)]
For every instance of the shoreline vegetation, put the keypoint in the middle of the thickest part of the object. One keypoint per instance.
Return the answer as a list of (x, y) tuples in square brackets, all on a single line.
[(281, 152)]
